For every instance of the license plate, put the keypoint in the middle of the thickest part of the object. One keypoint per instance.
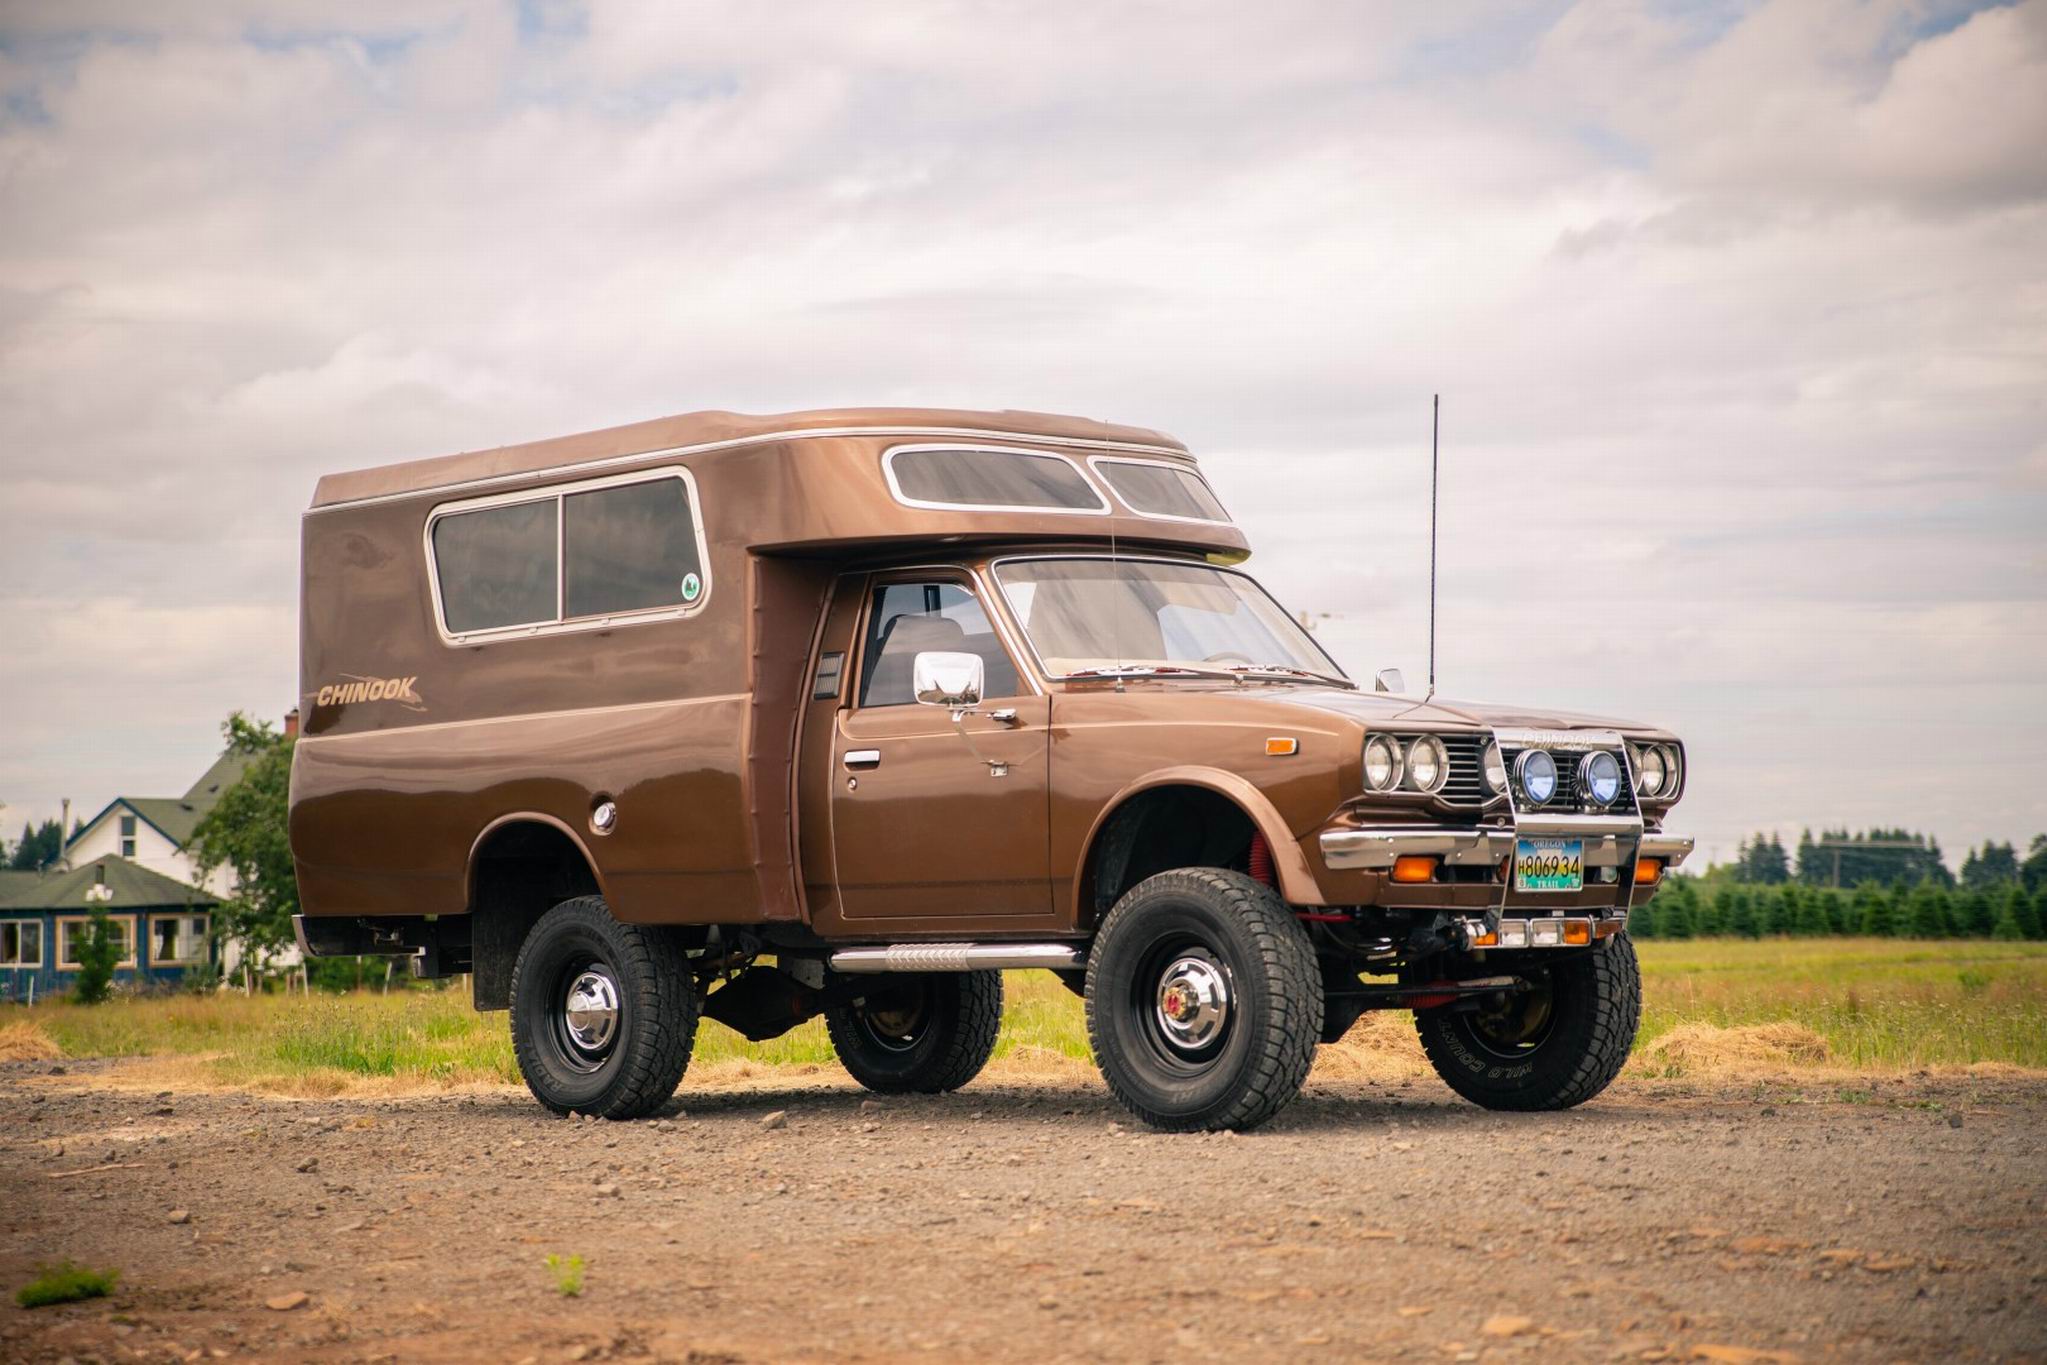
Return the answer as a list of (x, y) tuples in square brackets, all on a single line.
[(1549, 865)]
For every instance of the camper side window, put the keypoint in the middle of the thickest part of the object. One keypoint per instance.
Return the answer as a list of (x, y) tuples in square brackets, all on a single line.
[(497, 566), (630, 548), (571, 557)]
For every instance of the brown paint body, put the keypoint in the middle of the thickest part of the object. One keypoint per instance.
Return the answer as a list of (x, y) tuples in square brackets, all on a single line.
[(734, 802)]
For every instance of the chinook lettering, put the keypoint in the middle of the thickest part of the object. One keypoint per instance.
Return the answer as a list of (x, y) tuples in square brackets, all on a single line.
[(371, 689)]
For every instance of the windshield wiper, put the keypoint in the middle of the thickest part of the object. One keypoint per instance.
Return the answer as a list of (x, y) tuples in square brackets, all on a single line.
[(1156, 670), (1287, 671)]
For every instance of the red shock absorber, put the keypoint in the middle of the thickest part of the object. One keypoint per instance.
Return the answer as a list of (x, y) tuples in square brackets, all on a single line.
[(1261, 859)]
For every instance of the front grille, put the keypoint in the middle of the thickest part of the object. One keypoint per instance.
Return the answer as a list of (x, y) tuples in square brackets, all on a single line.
[(1466, 784)]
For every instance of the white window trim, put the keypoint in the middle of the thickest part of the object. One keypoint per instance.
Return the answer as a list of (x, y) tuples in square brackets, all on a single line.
[(1097, 461), (205, 927), (42, 934), (895, 489), (556, 493), (129, 920)]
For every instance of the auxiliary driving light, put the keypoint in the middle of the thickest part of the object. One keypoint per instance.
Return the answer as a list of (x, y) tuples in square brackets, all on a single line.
[(1536, 771), (1382, 763), (1599, 777), (1513, 933), (1545, 933)]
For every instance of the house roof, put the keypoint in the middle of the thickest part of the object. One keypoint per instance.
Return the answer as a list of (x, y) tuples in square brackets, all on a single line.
[(134, 888), (175, 817), (12, 883)]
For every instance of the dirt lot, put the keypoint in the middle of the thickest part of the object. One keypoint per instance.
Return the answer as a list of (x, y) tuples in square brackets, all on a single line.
[(1900, 1220)]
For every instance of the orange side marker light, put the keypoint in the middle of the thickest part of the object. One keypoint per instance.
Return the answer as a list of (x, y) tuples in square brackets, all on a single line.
[(1282, 746), (1648, 871), (1414, 867)]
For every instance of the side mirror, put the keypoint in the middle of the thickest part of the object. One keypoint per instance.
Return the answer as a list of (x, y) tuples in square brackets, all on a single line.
[(944, 678), (1389, 680)]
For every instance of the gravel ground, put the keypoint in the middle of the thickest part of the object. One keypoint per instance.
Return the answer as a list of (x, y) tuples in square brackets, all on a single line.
[(1027, 1220)]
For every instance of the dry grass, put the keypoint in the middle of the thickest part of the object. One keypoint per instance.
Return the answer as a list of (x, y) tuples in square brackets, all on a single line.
[(1712, 1008), (25, 1041)]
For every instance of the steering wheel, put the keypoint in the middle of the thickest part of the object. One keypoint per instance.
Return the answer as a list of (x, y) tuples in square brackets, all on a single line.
[(1225, 655)]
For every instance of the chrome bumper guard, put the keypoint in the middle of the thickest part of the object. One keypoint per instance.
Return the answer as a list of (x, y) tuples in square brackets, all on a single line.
[(1611, 841)]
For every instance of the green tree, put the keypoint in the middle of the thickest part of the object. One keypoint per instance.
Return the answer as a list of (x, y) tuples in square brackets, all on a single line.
[(98, 953), (1808, 915), (1870, 911), (1642, 919), (1994, 865), (1928, 912), (247, 831), (2026, 910), (1975, 915), (38, 848), (1767, 914), (1708, 914), (2007, 925), (1741, 916), (2033, 871)]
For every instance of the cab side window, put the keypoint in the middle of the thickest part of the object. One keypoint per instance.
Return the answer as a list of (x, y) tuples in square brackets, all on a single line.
[(907, 619)]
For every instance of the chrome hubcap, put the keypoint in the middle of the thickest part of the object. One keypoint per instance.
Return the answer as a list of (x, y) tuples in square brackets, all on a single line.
[(590, 1011), (1193, 1003)]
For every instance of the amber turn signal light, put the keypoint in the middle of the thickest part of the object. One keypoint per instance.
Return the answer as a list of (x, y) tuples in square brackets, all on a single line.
[(1577, 932), (1648, 871), (1414, 867)]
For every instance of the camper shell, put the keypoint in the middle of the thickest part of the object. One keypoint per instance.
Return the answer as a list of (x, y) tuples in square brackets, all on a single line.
[(638, 683)]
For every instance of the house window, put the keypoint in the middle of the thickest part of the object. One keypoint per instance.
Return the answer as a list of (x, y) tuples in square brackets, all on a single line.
[(21, 943), (579, 554), (177, 940), (127, 836), (71, 932)]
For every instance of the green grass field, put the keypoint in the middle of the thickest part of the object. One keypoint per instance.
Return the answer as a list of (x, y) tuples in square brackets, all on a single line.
[(1871, 1005)]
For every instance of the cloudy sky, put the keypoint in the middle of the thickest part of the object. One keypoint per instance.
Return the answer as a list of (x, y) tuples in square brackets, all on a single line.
[(1739, 312)]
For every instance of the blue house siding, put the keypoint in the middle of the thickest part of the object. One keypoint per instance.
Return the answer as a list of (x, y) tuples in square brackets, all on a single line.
[(20, 982)]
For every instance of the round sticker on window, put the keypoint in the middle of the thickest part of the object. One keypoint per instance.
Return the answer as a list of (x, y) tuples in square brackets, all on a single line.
[(692, 587)]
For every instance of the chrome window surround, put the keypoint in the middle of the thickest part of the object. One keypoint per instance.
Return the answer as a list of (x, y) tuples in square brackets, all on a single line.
[(560, 624), (895, 489), (1095, 462), (995, 572)]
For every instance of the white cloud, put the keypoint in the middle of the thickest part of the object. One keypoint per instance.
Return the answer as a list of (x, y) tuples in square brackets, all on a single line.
[(1741, 323)]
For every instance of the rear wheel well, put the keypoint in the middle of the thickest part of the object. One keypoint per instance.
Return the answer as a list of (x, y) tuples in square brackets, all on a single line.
[(519, 872), (1159, 830)]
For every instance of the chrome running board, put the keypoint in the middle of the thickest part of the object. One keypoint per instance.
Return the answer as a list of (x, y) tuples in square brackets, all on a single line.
[(957, 957)]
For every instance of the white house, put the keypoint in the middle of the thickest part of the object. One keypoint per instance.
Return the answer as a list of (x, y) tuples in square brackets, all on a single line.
[(154, 832)]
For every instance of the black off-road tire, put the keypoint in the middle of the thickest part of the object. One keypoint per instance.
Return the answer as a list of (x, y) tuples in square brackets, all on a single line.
[(919, 1034), (1594, 1000), (1231, 927), (655, 1019)]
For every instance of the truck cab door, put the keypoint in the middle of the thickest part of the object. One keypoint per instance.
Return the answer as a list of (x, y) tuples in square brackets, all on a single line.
[(936, 824)]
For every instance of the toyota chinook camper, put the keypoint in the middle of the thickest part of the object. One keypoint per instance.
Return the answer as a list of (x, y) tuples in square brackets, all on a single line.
[(843, 713)]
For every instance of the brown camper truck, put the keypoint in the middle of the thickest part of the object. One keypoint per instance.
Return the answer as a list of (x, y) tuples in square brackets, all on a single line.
[(843, 713)]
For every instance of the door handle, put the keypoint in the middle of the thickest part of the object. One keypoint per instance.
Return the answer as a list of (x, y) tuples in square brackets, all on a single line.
[(861, 759)]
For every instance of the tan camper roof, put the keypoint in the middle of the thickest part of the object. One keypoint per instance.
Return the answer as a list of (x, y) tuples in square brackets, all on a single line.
[(711, 430)]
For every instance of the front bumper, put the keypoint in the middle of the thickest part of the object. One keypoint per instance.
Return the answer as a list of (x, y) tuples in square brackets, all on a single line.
[(1376, 849), (1512, 918)]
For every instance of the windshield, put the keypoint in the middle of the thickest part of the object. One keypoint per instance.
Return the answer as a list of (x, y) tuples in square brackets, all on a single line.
[(1104, 615)]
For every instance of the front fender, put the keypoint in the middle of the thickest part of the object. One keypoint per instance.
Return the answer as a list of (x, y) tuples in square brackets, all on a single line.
[(1297, 884)]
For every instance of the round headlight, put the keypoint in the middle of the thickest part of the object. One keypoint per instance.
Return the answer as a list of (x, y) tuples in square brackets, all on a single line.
[(1382, 763), (1650, 770), (1495, 769), (1427, 764), (1672, 765), (1536, 772), (1599, 777)]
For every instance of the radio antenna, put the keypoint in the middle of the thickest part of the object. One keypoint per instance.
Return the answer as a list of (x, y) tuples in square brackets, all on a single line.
[(1435, 428)]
